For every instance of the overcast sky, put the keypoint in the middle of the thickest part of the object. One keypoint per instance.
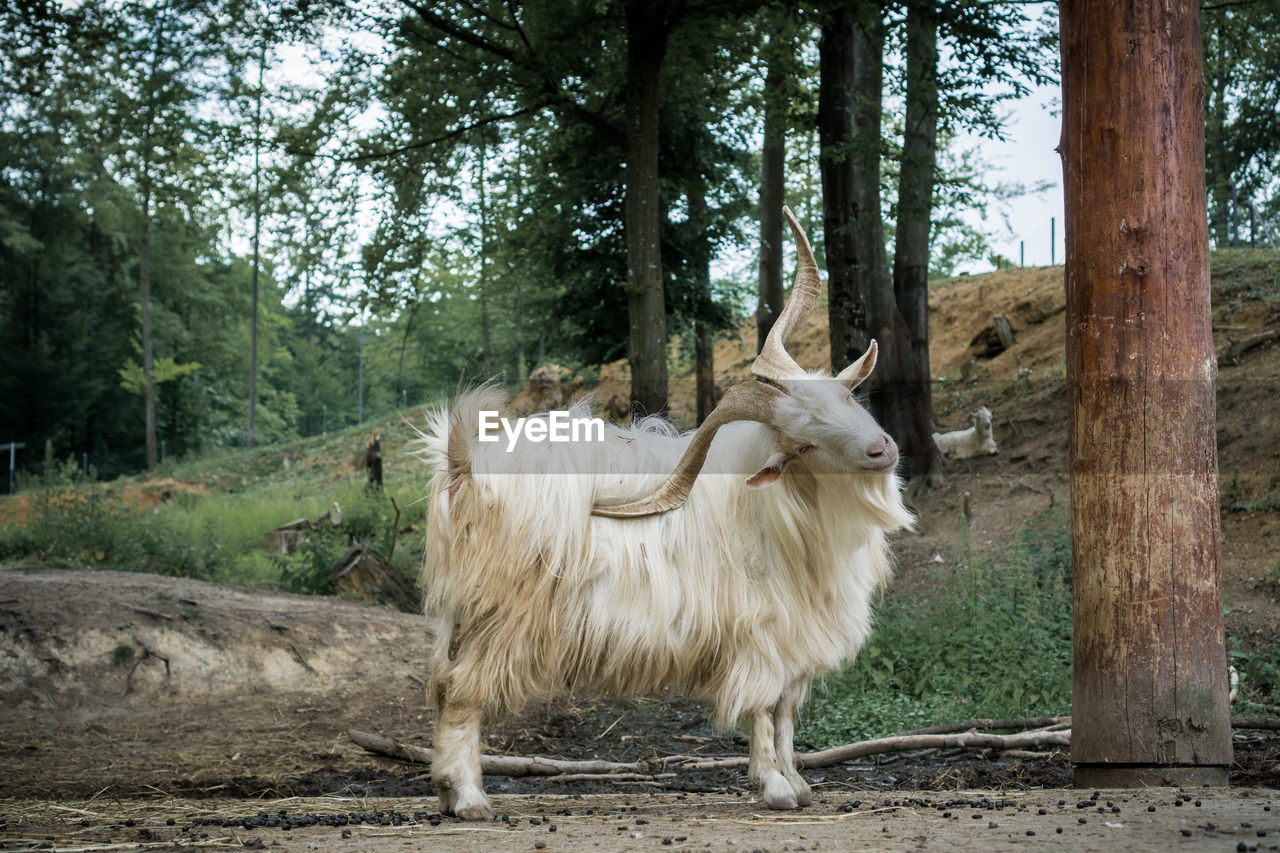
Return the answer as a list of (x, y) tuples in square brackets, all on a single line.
[(1027, 157)]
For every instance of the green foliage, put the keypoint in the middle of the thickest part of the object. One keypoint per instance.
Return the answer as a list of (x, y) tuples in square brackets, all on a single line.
[(1249, 274), (85, 525), (991, 639), (1241, 47), (1259, 673), (368, 518), (162, 370), (214, 527), (495, 136)]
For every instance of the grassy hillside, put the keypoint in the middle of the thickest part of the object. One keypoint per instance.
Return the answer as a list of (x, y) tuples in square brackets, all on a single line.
[(208, 517)]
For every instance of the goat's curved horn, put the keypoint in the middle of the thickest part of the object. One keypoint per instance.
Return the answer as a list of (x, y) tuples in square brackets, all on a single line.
[(774, 362), (746, 401)]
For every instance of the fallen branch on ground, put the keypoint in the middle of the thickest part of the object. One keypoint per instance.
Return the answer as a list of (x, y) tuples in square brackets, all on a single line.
[(906, 743), (985, 724), (497, 765), (511, 765), (1258, 723), (1023, 744), (1239, 348)]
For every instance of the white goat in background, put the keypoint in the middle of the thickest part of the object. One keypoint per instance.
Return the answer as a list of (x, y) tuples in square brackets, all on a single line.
[(977, 440), (738, 577)]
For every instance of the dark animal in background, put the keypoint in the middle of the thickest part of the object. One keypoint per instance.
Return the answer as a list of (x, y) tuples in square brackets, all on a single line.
[(373, 461)]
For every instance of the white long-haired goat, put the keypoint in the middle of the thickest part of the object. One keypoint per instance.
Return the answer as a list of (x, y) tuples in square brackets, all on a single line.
[(735, 563), (977, 440)]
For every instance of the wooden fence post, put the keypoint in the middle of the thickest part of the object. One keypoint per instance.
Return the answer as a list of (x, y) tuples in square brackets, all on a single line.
[(1150, 704)]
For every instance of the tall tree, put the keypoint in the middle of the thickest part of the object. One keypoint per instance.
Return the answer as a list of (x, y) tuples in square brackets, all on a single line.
[(779, 58), (850, 90), (153, 122), (260, 92), (648, 24), (703, 340), (862, 303), (837, 141), (915, 220), (482, 283), (1241, 50)]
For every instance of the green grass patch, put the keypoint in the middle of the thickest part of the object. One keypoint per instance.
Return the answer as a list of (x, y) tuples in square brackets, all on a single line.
[(988, 639), (218, 532), (1258, 674), (1245, 273)]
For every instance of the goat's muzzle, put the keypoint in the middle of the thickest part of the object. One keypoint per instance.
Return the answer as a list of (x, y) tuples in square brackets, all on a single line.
[(881, 454)]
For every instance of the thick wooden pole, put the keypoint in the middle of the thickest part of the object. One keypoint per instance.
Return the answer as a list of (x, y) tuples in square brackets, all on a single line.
[(1150, 701)]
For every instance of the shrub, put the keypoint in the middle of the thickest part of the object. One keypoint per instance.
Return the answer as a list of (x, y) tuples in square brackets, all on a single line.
[(992, 639), (369, 518), (86, 525)]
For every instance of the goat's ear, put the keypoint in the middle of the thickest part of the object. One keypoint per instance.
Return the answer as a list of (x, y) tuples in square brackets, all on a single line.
[(772, 470), (853, 375)]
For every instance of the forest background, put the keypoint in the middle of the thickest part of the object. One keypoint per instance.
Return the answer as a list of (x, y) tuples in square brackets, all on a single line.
[(227, 223)]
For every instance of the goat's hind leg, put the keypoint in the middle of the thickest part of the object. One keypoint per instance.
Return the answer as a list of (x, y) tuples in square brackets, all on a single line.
[(784, 716), (763, 769), (455, 764)]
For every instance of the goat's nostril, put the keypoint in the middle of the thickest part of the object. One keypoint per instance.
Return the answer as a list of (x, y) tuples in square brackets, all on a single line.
[(882, 452)]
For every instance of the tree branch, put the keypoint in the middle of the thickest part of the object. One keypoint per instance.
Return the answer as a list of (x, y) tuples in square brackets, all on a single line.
[(452, 30), (427, 143), (1213, 7), (511, 765), (554, 96), (936, 737), (986, 724)]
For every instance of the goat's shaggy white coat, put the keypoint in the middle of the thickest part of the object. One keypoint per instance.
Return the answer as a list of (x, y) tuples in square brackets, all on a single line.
[(740, 596)]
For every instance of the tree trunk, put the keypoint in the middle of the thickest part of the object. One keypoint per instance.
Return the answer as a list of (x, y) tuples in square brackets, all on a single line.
[(144, 288), (911, 243), (1217, 175), (772, 187), (703, 340), (848, 311), (872, 275), (482, 285), (257, 231), (517, 297), (144, 270), (646, 47), (1150, 681), (862, 304)]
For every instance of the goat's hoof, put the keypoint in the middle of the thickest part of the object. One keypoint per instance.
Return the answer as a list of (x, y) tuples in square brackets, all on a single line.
[(480, 811), (469, 804), (804, 797), (447, 798), (777, 794)]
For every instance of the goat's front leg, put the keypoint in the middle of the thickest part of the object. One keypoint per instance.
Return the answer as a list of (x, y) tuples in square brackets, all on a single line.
[(784, 716), (455, 764), (763, 770)]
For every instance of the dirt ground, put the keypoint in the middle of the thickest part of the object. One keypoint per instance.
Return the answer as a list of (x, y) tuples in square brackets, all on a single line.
[(841, 820), (148, 699)]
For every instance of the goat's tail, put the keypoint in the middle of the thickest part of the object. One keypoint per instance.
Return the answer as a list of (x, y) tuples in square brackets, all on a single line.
[(446, 442)]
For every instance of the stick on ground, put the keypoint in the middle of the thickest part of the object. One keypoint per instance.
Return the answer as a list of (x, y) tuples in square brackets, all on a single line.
[(943, 736)]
